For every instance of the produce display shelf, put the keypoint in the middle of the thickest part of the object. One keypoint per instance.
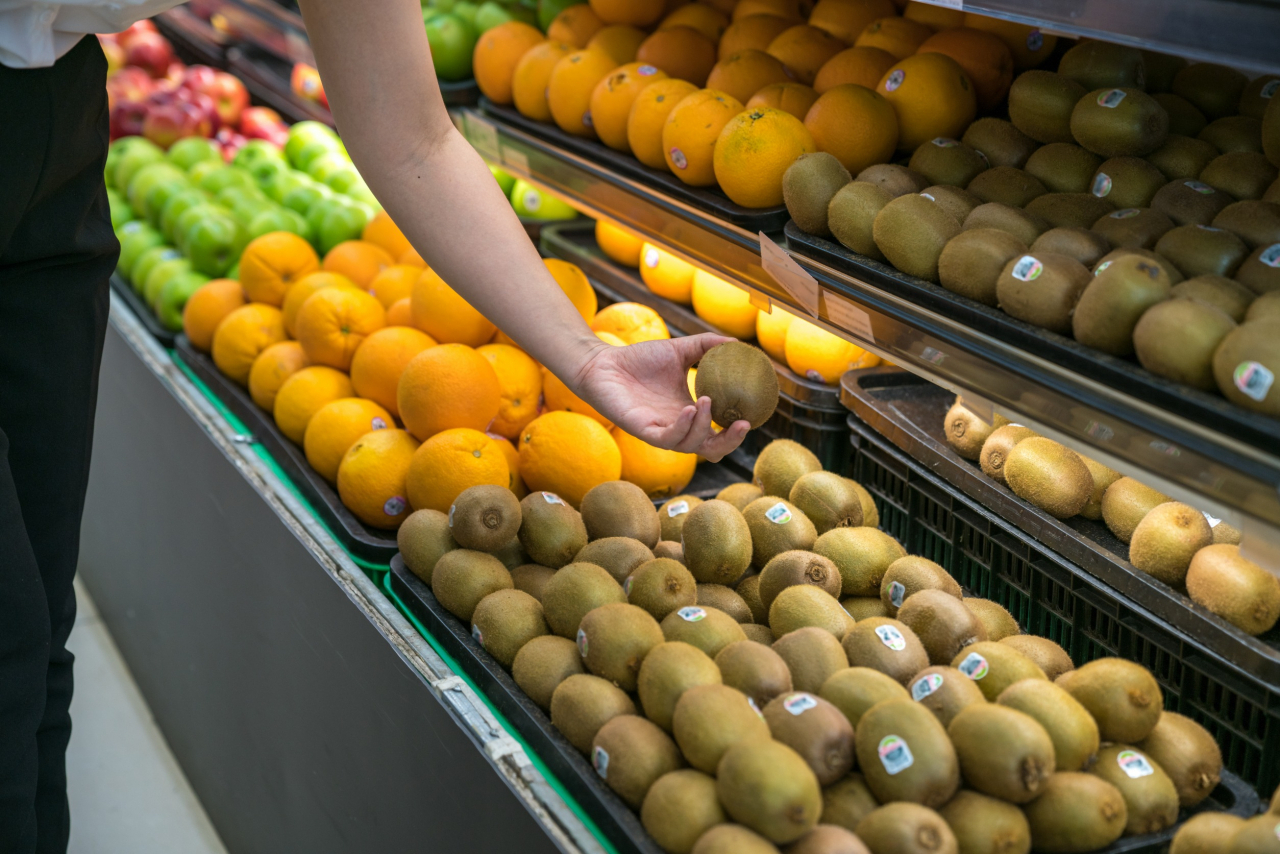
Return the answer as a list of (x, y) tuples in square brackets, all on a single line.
[(266, 76), (1054, 598), (142, 311), (192, 37)]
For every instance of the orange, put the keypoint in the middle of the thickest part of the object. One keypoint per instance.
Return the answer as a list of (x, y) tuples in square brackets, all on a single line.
[(519, 384), (381, 231), (723, 305), (495, 57), (859, 127), (846, 19), (619, 41), (574, 26), (272, 262), (936, 17), (205, 309), (682, 52), (303, 394), (453, 461), (567, 454), (301, 290), (381, 359), (631, 322), (515, 484), (445, 387), (794, 98), (412, 258), (648, 116), (897, 36), (440, 312), (335, 428), (815, 353), (529, 87), (242, 335), (558, 397), (635, 13), (358, 261), (788, 9), (612, 98), (575, 285), (333, 323), (371, 477), (983, 56), (394, 283), (932, 96), (273, 366), (753, 151), (771, 331), (660, 473), (708, 20), (1029, 46), (746, 73), (804, 50), (400, 313), (620, 246), (569, 89), (689, 135), (666, 275), (753, 32), (861, 65)]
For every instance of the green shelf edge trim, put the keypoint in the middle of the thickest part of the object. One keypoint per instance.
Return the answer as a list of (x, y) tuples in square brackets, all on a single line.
[(552, 780)]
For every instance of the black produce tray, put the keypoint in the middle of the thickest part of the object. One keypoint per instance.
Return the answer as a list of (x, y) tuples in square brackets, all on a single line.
[(614, 819), (707, 199), (1054, 598), (266, 76), (1207, 410), (193, 40), (142, 311), (363, 542)]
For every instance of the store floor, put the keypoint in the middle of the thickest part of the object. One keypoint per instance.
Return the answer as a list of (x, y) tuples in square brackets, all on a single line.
[(127, 792)]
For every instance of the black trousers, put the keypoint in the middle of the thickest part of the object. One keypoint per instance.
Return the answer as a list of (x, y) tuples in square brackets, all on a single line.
[(57, 252)]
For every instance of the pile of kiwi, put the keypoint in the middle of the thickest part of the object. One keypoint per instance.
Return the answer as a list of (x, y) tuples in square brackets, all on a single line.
[(787, 677), (1185, 548), (1130, 200)]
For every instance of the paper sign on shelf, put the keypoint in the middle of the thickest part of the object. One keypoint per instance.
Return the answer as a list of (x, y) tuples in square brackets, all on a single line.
[(946, 4), (849, 317), (1260, 543), (516, 160), (760, 301), (483, 136), (802, 287)]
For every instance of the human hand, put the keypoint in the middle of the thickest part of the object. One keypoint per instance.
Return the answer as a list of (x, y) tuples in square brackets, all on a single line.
[(643, 388)]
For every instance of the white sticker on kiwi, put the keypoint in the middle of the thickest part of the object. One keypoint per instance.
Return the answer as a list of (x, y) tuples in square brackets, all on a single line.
[(1213, 521), (895, 755), (676, 508), (891, 637), (477, 634), (929, 197), (582, 643), (1253, 380), (692, 614), (1111, 98), (1101, 185), (943, 142), (779, 514), (798, 704), (1269, 90), (1125, 214), (1097, 271), (1027, 268), (1134, 764), (552, 498), (925, 686), (897, 593), (452, 507), (1199, 186), (626, 585), (1271, 255), (600, 761), (974, 666)]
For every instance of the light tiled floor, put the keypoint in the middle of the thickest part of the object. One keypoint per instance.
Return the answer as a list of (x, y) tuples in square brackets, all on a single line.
[(127, 792)]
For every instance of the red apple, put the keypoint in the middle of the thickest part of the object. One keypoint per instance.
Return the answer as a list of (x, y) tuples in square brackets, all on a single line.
[(150, 51), (230, 142), (263, 123), (127, 117), (125, 36), (229, 97), (205, 106), (130, 84), (197, 77), (165, 124)]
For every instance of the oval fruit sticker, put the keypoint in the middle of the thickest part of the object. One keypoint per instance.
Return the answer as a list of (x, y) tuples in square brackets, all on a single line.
[(895, 755)]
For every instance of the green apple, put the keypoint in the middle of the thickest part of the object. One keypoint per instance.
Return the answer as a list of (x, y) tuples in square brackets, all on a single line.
[(233, 195), (121, 211), (160, 273), (303, 133), (189, 151), (135, 238), (234, 272), (158, 196), (314, 150), (116, 153), (256, 151), (213, 244), (360, 192), (504, 178), (548, 9), (173, 297), (523, 14), (342, 180), (303, 198), (192, 215), (277, 219), (178, 205), (334, 220), (266, 171), (198, 172), (245, 211), (453, 40), (532, 203), (326, 164), (279, 185), (217, 180), (490, 14), (134, 158), (147, 261), (148, 177), (465, 10)]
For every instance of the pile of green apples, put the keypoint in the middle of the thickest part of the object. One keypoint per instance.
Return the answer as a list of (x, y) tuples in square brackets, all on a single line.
[(454, 26), (529, 202)]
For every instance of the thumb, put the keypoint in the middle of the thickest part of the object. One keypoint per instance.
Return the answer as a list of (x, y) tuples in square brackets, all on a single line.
[(692, 348)]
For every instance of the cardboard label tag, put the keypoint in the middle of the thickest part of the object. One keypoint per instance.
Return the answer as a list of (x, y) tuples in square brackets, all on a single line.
[(802, 287), (849, 317)]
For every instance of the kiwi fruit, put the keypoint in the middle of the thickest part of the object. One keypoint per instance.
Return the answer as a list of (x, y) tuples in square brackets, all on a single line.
[(1257, 835), (816, 730), (671, 516), (886, 645), (1069, 725), (1159, 260), (741, 382), (808, 186), (1202, 250), (947, 161), (749, 589), (1243, 175), (797, 567), (776, 526), (1177, 339), (805, 605), (619, 508), (780, 464), (732, 839), (1018, 767), (909, 575), (829, 500), (1001, 217), (1079, 210), (531, 578), (812, 655), (999, 141), (1123, 697), (423, 538), (995, 666), (1271, 137), (709, 719), (1006, 185), (911, 231), (661, 586), (1257, 94), (965, 431), (614, 640), (620, 556), (847, 802), (894, 179), (1063, 167), (1119, 121), (709, 629), (542, 664), (870, 515), (484, 518), (573, 592), (942, 623), (768, 786), (1260, 271), (717, 542), (550, 530), (504, 621), (1042, 289), (852, 213), (954, 200), (670, 669), (1233, 134), (971, 263), (906, 828), (740, 494), (1125, 503), (1182, 158), (582, 704), (1041, 103), (1184, 119), (1075, 813), (1114, 302), (905, 754), (757, 632), (996, 621), (756, 670), (1051, 658), (862, 607), (1149, 795), (1224, 534), (984, 825), (1234, 588), (1189, 202), (995, 451), (1102, 65), (828, 839), (1245, 365), (944, 691), (1214, 89), (1102, 477), (512, 554), (1264, 307), (1166, 539), (725, 599), (1205, 833), (679, 808), (1227, 295), (1188, 754), (1084, 245), (1127, 182), (1135, 228), (1160, 69), (854, 690), (463, 577), (1255, 222), (631, 754)]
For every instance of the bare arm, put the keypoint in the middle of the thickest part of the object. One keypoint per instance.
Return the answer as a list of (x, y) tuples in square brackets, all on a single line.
[(381, 85)]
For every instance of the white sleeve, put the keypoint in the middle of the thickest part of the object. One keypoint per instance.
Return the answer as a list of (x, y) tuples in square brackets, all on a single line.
[(34, 35)]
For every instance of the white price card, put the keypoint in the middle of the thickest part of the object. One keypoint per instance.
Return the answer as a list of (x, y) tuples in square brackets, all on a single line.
[(844, 314), (802, 287), (483, 136), (946, 4), (516, 160)]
